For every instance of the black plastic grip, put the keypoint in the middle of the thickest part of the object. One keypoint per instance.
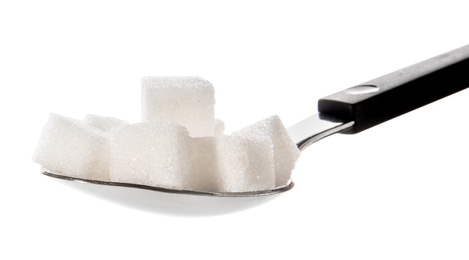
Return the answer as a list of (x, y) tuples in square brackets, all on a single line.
[(397, 93)]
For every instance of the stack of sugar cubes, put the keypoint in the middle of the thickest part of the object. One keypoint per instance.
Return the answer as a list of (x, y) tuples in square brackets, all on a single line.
[(179, 144)]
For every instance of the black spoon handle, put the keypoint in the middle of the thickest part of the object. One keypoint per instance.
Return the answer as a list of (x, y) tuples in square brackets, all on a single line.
[(397, 93)]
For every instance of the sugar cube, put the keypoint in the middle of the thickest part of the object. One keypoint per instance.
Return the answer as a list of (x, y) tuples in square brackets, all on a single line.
[(69, 147), (103, 123), (245, 164), (188, 101), (285, 150), (154, 153), (231, 164)]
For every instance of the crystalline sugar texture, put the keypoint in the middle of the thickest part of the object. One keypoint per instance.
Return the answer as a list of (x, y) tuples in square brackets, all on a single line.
[(179, 145), (232, 164), (153, 153), (285, 150), (245, 164), (188, 101), (104, 123), (72, 148)]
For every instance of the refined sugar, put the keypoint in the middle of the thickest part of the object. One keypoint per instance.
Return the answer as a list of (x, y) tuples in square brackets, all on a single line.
[(188, 101), (104, 123), (153, 153), (245, 164), (232, 164), (285, 150), (204, 161), (70, 147), (219, 127), (179, 145)]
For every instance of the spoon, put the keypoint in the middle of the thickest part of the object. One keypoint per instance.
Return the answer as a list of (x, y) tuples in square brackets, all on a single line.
[(355, 109)]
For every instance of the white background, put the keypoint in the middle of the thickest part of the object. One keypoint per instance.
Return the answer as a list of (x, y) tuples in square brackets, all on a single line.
[(397, 191)]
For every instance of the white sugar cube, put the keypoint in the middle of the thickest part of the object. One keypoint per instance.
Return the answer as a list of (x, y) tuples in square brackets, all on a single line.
[(70, 147), (188, 101), (153, 153), (232, 164), (103, 123), (245, 164), (204, 160), (285, 150)]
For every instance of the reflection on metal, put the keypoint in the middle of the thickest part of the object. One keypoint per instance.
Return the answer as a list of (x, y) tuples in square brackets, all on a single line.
[(315, 128), (168, 190)]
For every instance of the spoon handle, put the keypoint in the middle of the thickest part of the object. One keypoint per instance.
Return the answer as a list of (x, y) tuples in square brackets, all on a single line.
[(397, 93)]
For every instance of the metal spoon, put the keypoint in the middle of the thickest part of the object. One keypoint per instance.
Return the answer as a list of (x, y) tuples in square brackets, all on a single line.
[(356, 109)]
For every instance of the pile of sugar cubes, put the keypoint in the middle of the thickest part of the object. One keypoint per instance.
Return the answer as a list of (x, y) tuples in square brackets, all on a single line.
[(179, 144)]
